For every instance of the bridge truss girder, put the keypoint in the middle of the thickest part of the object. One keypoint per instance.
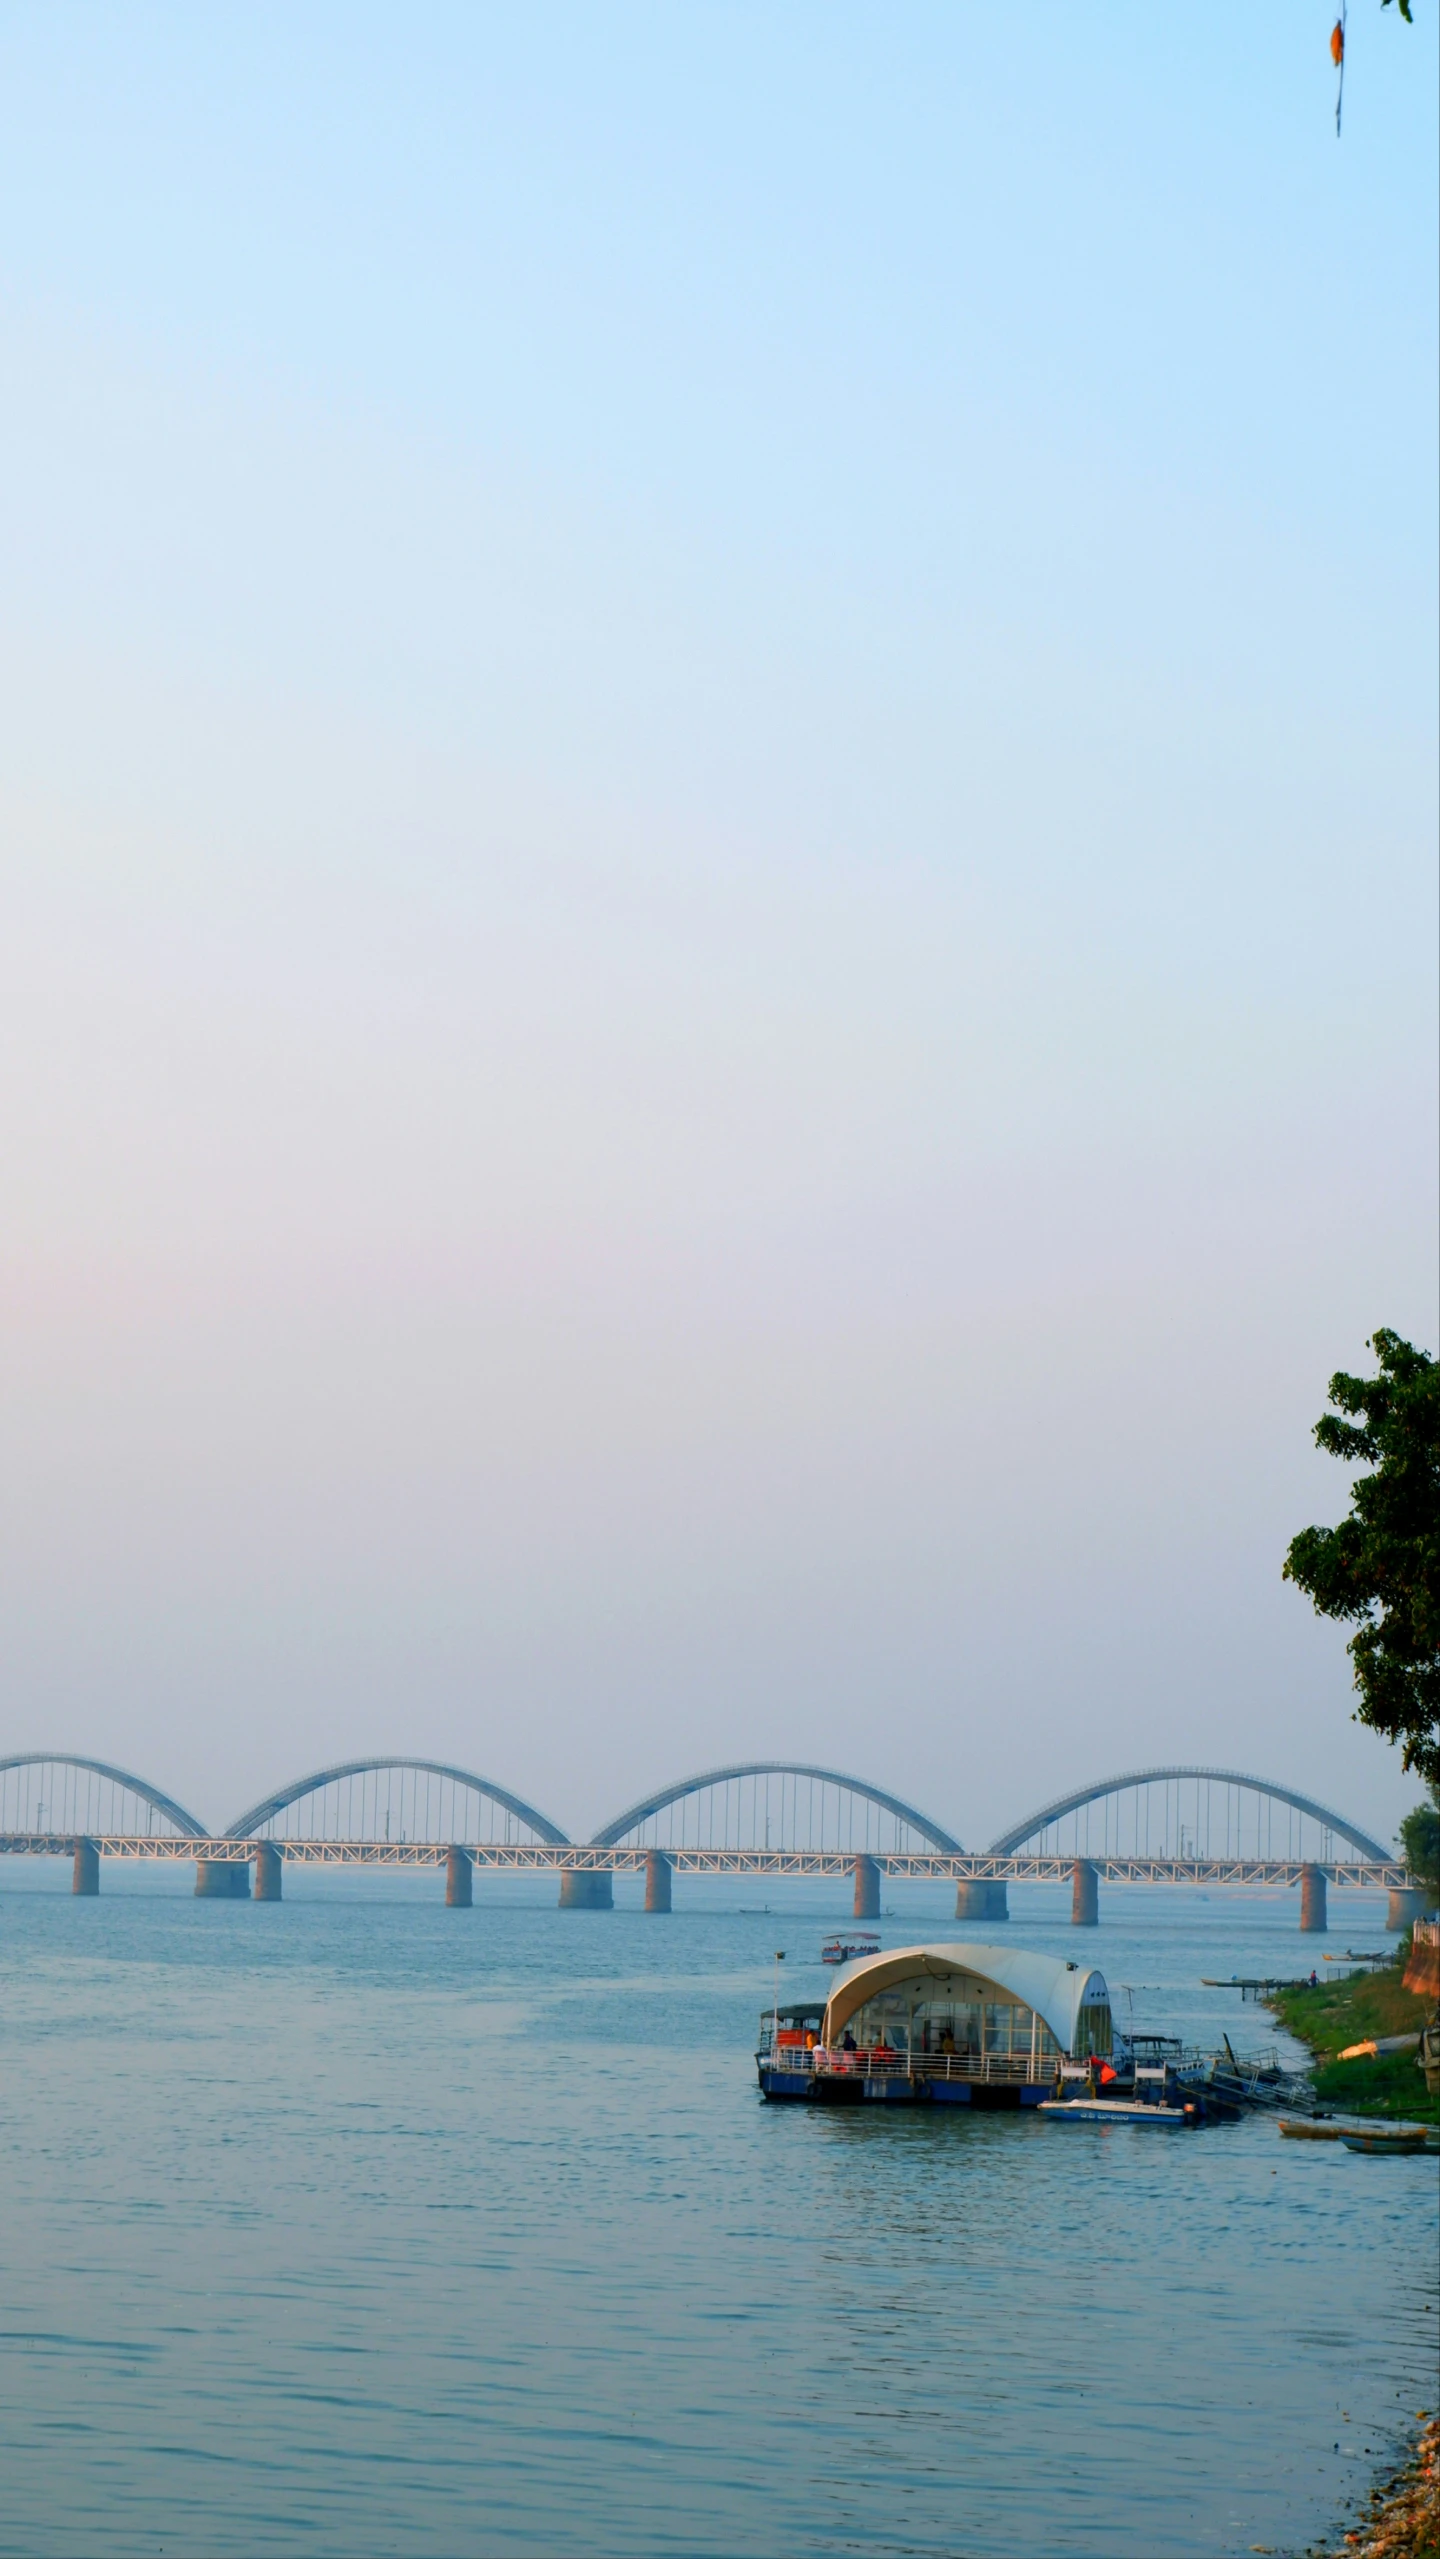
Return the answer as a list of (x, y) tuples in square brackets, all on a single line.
[(546, 1857)]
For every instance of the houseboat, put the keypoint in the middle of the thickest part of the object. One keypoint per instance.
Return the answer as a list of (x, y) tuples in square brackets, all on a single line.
[(962, 2025)]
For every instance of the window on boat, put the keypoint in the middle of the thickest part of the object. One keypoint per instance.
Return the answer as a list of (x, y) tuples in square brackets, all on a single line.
[(1004, 2028), (941, 2022), (887, 2015), (1092, 2034)]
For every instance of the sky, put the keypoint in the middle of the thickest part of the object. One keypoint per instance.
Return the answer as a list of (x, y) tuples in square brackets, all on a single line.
[(717, 884)]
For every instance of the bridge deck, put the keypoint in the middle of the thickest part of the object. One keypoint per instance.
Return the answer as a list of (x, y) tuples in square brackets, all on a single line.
[(552, 1857)]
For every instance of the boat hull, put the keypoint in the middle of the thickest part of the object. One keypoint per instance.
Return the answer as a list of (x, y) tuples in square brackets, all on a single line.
[(1114, 2110), (894, 2088), (1385, 2145)]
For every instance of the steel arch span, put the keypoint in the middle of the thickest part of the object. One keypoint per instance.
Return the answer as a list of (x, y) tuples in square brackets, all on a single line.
[(165, 1805), (1010, 1840), (272, 1805), (637, 1814)]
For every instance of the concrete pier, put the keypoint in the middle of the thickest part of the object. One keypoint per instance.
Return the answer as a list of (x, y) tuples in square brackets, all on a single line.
[(269, 1871), (459, 1879), (981, 1901), (658, 1873), (580, 1890), (218, 1879), (86, 1877), (867, 1888), (1406, 1903), (1084, 1895), (1312, 1901)]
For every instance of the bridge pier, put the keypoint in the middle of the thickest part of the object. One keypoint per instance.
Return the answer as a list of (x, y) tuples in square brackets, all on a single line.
[(658, 1872), (867, 1888), (1407, 1902), (583, 1889), (1084, 1895), (1312, 1901), (459, 1879), (222, 1879), (982, 1901), (269, 1870), (86, 1878)]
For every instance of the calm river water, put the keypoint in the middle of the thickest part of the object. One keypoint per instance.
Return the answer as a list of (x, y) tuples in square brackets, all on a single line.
[(356, 2225)]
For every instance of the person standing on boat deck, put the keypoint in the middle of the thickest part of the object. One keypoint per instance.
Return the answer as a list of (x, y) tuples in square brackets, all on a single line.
[(848, 2043)]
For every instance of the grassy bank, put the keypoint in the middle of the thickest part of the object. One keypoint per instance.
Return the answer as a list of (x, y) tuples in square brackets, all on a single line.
[(1337, 2013)]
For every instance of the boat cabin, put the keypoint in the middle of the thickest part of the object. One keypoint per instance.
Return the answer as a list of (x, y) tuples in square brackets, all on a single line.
[(794, 2027)]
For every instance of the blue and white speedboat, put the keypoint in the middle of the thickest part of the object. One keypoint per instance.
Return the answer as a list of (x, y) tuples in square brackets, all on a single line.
[(1120, 2110)]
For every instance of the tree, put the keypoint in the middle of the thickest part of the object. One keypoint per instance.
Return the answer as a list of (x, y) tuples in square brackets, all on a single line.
[(1420, 1839), (1382, 1564)]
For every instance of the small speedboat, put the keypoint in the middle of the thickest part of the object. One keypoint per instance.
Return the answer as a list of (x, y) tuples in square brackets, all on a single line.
[(1117, 2110), (1378, 2143)]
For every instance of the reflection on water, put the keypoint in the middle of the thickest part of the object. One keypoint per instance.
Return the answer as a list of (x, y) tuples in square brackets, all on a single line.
[(361, 2226)]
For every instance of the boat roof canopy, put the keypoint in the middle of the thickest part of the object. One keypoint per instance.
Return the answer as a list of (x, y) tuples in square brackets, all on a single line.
[(1055, 1989)]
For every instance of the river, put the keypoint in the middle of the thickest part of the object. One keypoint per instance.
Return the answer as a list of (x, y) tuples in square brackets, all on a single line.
[(356, 2225)]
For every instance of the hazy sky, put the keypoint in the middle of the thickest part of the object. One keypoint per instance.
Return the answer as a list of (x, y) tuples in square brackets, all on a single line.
[(717, 960)]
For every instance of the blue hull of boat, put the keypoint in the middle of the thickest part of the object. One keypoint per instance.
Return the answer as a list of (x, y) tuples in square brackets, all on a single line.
[(892, 2088)]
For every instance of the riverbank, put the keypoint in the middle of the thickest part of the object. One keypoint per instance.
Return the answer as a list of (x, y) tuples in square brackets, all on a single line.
[(1360, 2008), (1404, 2522)]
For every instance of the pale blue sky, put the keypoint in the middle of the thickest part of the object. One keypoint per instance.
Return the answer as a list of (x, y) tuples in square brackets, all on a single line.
[(717, 972)]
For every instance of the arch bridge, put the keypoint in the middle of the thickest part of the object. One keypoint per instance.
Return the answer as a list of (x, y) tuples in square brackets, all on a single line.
[(424, 1801), (54, 1794), (772, 1818)]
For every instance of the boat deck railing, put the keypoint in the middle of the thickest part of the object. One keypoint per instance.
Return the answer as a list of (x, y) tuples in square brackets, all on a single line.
[(982, 2068)]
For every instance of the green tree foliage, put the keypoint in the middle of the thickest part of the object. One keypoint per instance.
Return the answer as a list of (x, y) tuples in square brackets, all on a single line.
[(1382, 1564), (1420, 1839)]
